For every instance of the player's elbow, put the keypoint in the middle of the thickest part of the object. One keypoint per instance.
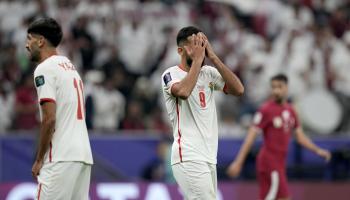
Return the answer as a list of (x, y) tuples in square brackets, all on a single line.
[(299, 139), (181, 93), (184, 95), (239, 91)]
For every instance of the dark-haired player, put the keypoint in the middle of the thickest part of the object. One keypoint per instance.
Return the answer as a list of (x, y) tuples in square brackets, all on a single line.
[(276, 119), (188, 90), (63, 161)]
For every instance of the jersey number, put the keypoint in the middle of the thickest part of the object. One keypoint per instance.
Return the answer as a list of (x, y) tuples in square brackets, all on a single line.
[(202, 99), (77, 87)]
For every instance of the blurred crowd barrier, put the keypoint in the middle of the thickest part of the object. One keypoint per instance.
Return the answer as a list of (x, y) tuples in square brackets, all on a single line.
[(141, 158), (152, 191)]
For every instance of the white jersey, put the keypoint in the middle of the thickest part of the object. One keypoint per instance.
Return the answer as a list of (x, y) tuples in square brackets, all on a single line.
[(57, 80), (194, 120)]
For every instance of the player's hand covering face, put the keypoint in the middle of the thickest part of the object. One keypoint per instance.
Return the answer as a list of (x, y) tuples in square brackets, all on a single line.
[(209, 51), (195, 48)]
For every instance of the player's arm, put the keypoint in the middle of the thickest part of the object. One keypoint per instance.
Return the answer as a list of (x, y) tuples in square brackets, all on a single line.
[(236, 166), (47, 129), (233, 83), (196, 50), (305, 141), (183, 89)]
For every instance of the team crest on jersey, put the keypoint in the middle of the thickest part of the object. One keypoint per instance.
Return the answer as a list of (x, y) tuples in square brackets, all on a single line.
[(39, 81), (286, 115), (167, 78), (277, 122), (211, 86)]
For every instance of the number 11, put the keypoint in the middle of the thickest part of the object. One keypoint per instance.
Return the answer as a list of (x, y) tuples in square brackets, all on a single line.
[(80, 109)]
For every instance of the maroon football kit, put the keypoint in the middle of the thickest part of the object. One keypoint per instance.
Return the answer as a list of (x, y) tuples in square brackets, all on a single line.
[(277, 122)]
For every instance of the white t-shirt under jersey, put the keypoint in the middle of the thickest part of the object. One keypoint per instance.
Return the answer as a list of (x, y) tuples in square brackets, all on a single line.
[(194, 120), (57, 80)]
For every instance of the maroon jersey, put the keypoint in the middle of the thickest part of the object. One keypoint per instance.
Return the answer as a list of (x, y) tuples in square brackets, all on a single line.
[(277, 121)]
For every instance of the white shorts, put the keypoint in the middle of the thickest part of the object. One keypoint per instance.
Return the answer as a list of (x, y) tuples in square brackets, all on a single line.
[(197, 180), (64, 181)]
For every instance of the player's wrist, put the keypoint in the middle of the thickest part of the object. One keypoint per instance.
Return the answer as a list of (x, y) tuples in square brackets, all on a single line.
[(197, 62), (212, 56), (318, 151)]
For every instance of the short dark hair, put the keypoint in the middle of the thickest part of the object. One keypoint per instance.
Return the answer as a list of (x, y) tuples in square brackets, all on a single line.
[(280, 77), (48, 28), (185, 32)]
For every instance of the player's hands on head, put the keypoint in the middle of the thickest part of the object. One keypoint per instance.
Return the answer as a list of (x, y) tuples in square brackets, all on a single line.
[(234, 169), (209, 52), (196, 47), (324, 154), (36, 168)]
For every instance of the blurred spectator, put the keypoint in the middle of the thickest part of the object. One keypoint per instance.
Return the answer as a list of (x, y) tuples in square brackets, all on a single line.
[(84, 42), (108, 104), (134, 117), (26, 104), (156, 122), (341, 69), (134, 40), (159, 169), (7, 100)]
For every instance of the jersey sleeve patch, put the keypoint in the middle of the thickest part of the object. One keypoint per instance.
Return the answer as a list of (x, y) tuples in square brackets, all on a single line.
[(167, 78), (39, 81)]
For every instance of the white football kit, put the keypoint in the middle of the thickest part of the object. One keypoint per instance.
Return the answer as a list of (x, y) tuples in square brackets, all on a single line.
[(195, 130), (68, 159)]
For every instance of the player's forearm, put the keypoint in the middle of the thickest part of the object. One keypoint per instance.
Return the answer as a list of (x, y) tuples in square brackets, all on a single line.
[(304, 141), (307, 143), (247, 145), (233, 83), (46, 133), (184, 88)]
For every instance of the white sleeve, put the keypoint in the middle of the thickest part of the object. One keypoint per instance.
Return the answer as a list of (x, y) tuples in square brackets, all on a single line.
[(45, 84), (218, 81), (169, 78)]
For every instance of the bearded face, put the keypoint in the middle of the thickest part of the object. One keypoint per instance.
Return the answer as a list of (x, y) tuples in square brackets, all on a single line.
[(33, 48)]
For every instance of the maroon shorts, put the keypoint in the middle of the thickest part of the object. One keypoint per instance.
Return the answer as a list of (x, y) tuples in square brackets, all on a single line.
[(273, 185)]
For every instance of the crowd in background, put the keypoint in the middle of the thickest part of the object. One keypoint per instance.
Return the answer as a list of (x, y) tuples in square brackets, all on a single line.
[(121, 48)]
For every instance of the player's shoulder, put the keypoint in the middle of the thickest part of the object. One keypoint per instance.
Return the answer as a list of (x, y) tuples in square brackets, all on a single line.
[(174, 68), (51, 64), (208, 68), (291, 107)]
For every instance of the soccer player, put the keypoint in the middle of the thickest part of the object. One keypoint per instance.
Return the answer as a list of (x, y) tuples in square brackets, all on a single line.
[(63, 161), (188, 90), (276, 119)]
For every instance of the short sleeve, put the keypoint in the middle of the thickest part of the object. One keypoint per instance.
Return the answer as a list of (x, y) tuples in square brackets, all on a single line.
[(217, 80), (260, 119), (44, 80), (169, 78)]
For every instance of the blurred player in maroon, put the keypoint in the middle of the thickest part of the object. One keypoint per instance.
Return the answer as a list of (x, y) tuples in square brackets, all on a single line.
[(277, 120)]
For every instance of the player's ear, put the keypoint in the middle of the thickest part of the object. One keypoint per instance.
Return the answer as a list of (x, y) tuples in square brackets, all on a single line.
[(180, 50), (41, 41)]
